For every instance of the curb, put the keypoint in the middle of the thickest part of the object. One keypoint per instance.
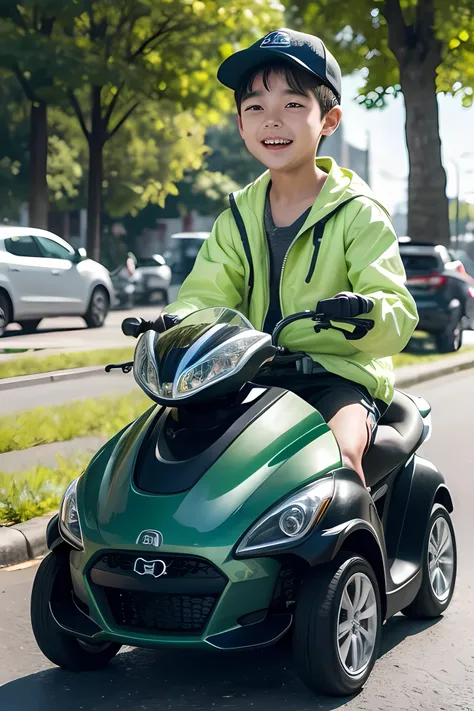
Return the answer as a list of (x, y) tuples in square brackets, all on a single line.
[(23, 541), (24, 381), (27, 540)]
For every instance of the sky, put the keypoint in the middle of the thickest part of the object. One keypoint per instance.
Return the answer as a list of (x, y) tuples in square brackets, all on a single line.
[(389, 163)]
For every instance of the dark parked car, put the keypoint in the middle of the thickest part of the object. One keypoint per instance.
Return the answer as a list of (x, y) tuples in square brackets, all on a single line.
[(443, 291)]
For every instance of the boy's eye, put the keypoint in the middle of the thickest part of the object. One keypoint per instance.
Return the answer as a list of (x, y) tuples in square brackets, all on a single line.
[(294, 104), (254, 107)]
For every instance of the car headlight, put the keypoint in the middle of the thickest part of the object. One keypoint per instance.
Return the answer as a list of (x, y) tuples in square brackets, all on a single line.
[(220, 363), (290, 521), (69, 524)]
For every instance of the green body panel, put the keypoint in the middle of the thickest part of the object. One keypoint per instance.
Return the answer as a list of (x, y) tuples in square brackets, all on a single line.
[(288, 446)]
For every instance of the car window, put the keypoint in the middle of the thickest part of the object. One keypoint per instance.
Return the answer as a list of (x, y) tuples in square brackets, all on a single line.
[(54, 250), (22, 246), (420, 262)]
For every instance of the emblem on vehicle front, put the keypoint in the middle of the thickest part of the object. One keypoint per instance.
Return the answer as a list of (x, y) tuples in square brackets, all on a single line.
[(150, 538), (156, 568)]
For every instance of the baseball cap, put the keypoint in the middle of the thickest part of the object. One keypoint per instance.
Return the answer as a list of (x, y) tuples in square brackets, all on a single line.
[(304, 51)]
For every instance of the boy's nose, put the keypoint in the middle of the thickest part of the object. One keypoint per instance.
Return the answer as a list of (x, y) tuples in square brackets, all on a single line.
[(273, 123)]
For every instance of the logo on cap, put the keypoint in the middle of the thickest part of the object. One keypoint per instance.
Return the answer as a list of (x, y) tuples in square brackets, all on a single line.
[(276, 39)]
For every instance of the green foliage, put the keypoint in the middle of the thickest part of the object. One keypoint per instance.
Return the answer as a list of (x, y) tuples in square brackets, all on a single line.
[(42, 425), (357, 33), (37, 491), (28, 365)]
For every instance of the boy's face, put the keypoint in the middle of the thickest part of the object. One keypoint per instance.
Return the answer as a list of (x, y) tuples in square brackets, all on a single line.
[(280, 113)]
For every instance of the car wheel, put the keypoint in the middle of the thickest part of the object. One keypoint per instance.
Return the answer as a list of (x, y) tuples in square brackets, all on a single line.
[(30, 325), (64, 650), (337, 627), (449, 340), (4, 313), (98, 308), (439, 568)]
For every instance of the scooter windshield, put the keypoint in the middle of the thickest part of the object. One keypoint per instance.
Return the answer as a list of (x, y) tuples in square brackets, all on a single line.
[(206, 347)]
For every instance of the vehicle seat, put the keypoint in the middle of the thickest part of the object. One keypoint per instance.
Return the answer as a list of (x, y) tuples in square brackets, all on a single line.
[(398, 434)]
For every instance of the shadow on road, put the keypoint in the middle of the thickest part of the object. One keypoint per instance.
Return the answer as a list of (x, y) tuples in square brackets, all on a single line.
[(141, 680)]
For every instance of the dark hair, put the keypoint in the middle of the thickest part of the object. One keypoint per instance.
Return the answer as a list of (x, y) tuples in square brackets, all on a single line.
[(299, 80)]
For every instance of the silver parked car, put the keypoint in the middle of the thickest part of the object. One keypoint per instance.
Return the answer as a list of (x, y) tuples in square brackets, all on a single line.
[(41, 276)]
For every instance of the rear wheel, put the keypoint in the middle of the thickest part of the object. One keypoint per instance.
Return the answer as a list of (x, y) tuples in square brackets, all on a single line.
[(4, 313), (438, 568), (98, 309), (449, 340), (337, 629), (30, 325), (60, 648)]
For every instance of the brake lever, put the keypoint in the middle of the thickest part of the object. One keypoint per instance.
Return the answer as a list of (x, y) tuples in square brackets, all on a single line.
[(362, 326), (124, 367)]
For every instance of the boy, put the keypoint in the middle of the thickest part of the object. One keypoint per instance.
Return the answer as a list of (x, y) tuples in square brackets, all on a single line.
[(305, 231)]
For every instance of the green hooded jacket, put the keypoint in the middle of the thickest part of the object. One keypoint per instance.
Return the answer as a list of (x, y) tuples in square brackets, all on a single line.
[(358, 252)]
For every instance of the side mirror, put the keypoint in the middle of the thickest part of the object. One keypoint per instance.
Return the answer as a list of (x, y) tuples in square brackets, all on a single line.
[(132, 327)]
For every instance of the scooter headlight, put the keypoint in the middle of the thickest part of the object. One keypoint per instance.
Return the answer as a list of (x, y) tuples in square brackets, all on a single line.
[(69, 524), (291, 520)]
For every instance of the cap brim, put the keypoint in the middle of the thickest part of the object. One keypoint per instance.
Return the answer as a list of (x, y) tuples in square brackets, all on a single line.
[(235, 68)]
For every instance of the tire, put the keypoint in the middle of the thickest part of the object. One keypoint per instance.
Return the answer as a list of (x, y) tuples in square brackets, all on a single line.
[(449, 340), (429, 603), (60, 648), (98, 308), (30, 325), (5, 314), (320, 612)]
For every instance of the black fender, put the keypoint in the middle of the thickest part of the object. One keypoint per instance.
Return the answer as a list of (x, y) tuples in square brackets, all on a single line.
[(424, 487), (349, 523), (54, 540)]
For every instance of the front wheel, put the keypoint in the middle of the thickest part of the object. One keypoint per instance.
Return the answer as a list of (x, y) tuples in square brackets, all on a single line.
[(4, 314), (438, 570), (337, 628), (98, 309), (53, 578)]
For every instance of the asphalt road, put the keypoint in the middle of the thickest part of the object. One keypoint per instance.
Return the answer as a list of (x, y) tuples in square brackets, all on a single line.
[(72, 333), (422, 666)]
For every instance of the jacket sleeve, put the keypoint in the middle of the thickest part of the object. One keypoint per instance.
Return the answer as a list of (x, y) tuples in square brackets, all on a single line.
[(217, 278), (375, 269)]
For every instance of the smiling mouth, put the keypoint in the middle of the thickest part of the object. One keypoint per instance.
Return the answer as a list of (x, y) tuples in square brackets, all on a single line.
[(276, 143)]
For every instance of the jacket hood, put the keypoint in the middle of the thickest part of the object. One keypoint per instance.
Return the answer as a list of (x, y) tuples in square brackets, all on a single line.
[(341, 184)]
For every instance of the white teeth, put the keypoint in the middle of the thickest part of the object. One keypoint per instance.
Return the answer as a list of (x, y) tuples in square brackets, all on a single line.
[(278, 141)]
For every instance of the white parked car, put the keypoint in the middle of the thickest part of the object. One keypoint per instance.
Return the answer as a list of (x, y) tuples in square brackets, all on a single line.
[(41, 275)]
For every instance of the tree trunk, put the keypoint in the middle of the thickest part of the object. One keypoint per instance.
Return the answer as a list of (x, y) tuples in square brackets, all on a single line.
[(428, 207), (94, 189), (38, 191)]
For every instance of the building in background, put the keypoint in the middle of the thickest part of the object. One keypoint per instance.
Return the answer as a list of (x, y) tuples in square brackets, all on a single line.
[(346, 155)]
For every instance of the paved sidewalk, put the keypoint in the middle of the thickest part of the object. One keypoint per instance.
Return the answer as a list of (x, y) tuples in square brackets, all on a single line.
[(46, 455)]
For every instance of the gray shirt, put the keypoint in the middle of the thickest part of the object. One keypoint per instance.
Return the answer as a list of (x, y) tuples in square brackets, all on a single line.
[(279, 240)]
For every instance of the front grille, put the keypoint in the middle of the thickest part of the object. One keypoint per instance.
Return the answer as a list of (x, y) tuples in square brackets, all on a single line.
[(160, 613), (176, 566), (157, 592)]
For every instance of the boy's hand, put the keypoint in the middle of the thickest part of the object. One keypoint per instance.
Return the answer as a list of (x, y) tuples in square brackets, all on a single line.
[(345, 305)]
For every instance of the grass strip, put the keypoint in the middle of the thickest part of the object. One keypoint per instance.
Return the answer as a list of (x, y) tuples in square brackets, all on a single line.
[(36, 491), (95, 416), (31, 365)]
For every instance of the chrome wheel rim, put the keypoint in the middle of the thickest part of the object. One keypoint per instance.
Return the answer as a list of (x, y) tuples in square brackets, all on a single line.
[(357, 624), (99, 307), (441, 559), (3, 321)]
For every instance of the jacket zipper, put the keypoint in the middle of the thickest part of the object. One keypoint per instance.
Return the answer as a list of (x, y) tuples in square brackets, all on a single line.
[(283, 269)]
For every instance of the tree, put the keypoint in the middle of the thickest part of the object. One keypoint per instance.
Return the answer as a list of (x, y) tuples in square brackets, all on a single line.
[(137, 50), (418, 47), (27, 50)]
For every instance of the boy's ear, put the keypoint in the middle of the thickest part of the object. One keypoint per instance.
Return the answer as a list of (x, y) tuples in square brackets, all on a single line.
[(240, 125), (331, 121)]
